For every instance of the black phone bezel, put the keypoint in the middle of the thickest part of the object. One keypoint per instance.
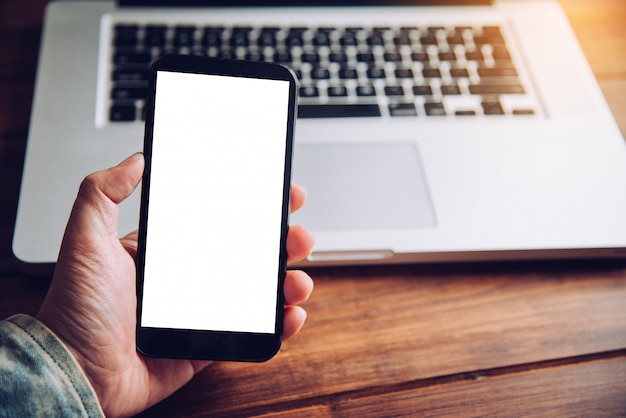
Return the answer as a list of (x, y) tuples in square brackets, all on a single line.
[(208, 344)]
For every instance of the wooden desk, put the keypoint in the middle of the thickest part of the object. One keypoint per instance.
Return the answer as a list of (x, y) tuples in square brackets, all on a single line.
[(498, 339)]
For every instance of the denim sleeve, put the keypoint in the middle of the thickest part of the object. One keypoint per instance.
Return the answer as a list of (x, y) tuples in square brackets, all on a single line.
[(38, 374)]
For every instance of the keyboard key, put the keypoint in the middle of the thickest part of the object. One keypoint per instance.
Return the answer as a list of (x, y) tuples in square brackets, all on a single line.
[(497, 72), (119, 113), (321, 38), (348, 39), (310, 57), (365, 57), (459, 73), (337, 91), (490, 35), (318, 73), (239, 39), (294, 39), (375, 40), (212, 40), (408, 30), (184, 36), (141, 59), (450, 89), (394, 91), (348, 73), (226, 54), (125, 35), (429, 40), (392, 57), (212, 37), (402, 109), (298, 30), (283, 57), (465, 113), (447, 56), (524, 112), (155, 36), (134, 76), (475, 55), (431, 73), (495, 89), (338, 57), (365, 91), (432, 30), (403, 73), (493, 31), (434, 109), (422, 90), (492, 106), (420, 57), (501, 54), (267, 37), (254, 56), (242, 29), (309, 91), (338, 111), (488, 40), (456, 39), (374, 72), (401, 40), (128, 93)]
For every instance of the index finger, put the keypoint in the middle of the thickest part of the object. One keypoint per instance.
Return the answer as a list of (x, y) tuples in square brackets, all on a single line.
[(298, 196)]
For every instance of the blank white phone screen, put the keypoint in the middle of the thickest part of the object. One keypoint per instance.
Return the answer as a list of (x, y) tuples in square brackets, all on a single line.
[(215, 204)]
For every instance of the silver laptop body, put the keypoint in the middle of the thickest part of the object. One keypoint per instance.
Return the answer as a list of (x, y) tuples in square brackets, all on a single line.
[(527, 164)]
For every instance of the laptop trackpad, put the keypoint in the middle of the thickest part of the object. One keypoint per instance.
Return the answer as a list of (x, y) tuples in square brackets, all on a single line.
[(362, 186)]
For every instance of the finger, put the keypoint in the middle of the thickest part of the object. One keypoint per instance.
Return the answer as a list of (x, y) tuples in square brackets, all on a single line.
[(299, 243), (116, 183), (293, 321), (95, 207), (129, 241), (131, 236), (298, 287), (298, 196)]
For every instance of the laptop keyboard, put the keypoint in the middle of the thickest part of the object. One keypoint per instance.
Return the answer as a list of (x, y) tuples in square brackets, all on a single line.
[(394, 72)]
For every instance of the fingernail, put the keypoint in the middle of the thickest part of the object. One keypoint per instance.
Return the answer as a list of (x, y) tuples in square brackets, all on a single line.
[(130, 159)]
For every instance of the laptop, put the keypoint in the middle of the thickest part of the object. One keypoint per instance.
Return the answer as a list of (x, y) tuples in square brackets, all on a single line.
[(428, 131)]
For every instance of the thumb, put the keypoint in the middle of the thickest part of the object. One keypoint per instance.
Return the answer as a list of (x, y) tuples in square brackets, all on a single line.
[(115, 183), (100, 192)]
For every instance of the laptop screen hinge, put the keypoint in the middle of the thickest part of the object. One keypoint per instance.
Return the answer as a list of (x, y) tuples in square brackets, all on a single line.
[(302, 3)]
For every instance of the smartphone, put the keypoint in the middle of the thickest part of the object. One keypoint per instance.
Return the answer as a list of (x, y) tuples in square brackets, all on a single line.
[(214, 209)]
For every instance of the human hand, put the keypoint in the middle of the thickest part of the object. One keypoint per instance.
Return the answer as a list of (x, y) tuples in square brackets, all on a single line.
[(91, 304)]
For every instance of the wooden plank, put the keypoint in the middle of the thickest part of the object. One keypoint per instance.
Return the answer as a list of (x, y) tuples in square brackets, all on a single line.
[(21, 294), (11, 161), (15, 103), (21, 14), (588, 390), (594, 389), (313, 411), (386, 326), (601, 32)]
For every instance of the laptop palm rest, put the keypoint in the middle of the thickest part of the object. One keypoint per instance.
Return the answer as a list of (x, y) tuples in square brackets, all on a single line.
[(362, 186)]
